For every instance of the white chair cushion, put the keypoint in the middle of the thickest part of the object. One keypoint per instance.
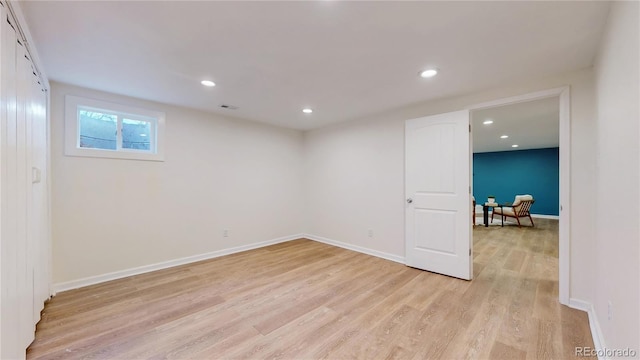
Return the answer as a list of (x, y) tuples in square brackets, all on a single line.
[(505, 210), (521, 198)]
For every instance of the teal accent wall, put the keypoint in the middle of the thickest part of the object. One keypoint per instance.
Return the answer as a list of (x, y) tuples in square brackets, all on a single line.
[(506, 174)]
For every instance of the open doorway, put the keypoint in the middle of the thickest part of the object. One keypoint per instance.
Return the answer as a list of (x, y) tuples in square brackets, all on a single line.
[(516, 151), (538, 166)]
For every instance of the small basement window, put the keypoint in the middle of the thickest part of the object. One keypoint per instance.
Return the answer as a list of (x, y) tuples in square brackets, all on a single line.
[(97, 128)]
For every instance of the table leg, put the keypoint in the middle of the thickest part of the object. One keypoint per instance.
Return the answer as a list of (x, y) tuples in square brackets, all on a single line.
[(485, 213)]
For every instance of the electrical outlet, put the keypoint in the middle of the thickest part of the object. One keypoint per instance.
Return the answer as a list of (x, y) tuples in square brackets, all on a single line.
[(610, 311), (225, 233), (370, 233)]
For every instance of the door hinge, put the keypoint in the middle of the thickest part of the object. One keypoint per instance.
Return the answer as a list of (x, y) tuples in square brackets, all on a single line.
[(469, 127), (469, 189), (469, 251)]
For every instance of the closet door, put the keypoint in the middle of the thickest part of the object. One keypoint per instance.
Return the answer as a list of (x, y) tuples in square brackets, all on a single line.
[(23, 169), (24, 216), (9, 296), (39, 214), (24, 209)]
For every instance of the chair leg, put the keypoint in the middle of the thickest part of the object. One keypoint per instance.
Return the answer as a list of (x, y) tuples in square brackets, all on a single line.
[(518, 220), (492, 217), (530, 218)]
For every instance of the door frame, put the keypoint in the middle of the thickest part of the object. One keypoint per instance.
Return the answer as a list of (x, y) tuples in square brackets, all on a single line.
[(564, 234)]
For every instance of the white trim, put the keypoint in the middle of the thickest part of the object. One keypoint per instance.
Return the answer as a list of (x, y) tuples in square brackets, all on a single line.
[(594, 325), (580, 305), (520, 98), (542, 216), (376, 253), (564, 254), (91, 280)]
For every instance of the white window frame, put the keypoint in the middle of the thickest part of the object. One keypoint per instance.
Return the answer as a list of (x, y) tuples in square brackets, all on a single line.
[(72, 129)]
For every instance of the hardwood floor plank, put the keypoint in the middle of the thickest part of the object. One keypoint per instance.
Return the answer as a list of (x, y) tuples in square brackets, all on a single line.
[(515, 260), (547, 345), (517, 325), (572, 336), (333, 333), (546, 305), (398, 353), (181, 336), (423, 289), (295, 311), (134, 327), (283, 342), (382, 338), (476, 340), (501, 351), (425, 328)]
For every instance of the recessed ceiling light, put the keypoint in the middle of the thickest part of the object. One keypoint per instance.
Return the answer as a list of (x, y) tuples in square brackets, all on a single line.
[(429, 73), (143, 135), (208, 83), (504, 136), (514, 145), (488, 122), (307, 111)]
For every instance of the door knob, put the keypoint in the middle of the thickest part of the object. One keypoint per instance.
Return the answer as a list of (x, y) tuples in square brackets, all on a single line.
[(409, 200)]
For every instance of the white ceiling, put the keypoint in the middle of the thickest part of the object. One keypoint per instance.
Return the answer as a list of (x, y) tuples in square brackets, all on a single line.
[(530, 125), (343, 59)]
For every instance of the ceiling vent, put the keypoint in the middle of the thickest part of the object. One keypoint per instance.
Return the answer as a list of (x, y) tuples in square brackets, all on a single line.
[(229, 107)]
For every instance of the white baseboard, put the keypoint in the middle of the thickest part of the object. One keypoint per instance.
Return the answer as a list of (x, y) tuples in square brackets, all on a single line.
[(541, 216), (376, 253), (594, 325), (91, 280)]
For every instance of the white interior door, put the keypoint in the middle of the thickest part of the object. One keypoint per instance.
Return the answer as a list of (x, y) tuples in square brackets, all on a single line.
[(437, 187), (24, 216), (10, 255), (39, 215)]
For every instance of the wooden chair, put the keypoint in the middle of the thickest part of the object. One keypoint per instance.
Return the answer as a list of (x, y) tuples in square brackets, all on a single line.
[(519, 209)]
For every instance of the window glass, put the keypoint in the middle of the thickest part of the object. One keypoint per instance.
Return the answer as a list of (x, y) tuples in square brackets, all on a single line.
[(98, 130), (136, 134)]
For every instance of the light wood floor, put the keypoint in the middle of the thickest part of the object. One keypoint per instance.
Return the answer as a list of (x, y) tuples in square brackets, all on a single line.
[(307, 300)]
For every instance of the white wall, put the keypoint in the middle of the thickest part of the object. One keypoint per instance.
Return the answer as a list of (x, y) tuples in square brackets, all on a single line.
[(355, 182), (617, 175), (219, 173), (354, 174)]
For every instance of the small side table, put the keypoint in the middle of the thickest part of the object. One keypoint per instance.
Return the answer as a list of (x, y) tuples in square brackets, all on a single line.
[(485, 212)]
